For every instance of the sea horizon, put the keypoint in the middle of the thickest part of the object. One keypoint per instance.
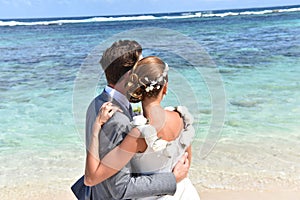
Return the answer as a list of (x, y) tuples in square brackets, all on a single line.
[(147, 16)]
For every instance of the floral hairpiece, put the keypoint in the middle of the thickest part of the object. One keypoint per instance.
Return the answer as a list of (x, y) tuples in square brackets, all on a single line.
[(158, 80)]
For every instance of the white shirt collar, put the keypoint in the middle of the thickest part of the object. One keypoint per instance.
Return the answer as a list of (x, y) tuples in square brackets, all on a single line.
[(118, 96)]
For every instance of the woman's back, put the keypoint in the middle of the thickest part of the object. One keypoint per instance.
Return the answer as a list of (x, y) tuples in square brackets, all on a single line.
[(165, 147), (172, 127)]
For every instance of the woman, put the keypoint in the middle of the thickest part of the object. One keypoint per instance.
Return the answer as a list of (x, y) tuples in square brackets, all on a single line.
[(165, 138)]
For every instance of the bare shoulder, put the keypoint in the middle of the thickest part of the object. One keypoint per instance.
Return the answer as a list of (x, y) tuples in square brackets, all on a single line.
[(173, 126)]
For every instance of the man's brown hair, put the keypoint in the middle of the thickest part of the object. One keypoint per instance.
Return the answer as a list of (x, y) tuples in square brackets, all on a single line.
[(119, 59)]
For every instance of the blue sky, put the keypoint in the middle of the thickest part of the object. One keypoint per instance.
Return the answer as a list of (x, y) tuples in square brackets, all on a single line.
[(64, 8)]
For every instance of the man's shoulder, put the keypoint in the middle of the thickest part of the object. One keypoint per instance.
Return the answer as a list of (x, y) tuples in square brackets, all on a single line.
[(96, 103)]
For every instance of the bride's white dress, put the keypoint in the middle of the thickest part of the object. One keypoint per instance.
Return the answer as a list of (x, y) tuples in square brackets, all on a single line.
[(162, 156)]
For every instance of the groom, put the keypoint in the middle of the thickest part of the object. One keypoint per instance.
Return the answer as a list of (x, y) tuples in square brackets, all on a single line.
[(117, 61)]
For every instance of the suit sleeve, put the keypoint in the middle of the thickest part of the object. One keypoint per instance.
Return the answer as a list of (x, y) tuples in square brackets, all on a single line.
[(124, 185)]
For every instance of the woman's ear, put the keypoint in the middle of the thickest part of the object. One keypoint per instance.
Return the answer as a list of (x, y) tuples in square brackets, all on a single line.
[(165, 89)]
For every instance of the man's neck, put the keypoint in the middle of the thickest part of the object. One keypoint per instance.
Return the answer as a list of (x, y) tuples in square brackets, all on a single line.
[(111, 85), (118, 87), (117, 95)]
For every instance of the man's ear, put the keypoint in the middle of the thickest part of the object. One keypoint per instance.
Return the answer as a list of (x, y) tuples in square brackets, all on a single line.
[(129, 72), (127, 75), (126, 78)]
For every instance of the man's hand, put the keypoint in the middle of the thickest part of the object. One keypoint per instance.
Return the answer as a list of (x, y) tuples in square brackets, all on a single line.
[(181, 169)]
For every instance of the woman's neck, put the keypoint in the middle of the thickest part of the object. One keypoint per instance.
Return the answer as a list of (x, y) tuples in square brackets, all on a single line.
[(154, 112), (149, 105)]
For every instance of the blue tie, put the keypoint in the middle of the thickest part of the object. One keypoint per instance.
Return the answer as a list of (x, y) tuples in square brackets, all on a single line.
[(130, 111)]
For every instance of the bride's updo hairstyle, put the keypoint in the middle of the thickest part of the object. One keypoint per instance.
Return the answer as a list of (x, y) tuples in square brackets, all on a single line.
[(147, 78)]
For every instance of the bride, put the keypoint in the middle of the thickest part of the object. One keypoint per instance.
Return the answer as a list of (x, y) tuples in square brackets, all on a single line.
[(157, 140)]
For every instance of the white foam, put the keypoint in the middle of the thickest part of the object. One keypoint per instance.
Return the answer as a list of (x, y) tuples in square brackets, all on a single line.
[(145, 17)]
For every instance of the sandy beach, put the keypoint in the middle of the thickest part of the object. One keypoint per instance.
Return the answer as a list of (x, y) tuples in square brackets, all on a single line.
[(230, 172), (250, 195)]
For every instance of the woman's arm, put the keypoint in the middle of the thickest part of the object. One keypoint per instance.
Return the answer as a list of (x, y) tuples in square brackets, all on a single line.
[(98, 170)]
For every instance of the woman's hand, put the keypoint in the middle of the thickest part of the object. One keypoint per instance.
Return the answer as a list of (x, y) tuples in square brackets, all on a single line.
[(106, 111)]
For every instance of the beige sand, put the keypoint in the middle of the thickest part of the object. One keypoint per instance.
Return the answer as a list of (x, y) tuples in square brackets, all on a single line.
[(250, 195), (38, 192)]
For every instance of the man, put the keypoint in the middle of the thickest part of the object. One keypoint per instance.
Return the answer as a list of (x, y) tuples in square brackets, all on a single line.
[(116, 62)]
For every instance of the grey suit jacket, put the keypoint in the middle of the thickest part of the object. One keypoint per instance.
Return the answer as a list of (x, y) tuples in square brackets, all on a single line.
[(123, 185)]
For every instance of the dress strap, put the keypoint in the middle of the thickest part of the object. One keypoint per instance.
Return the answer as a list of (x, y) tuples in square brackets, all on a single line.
[(179, 113)]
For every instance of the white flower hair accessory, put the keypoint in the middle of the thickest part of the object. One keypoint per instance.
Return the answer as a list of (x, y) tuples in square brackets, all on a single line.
[(153, 83)]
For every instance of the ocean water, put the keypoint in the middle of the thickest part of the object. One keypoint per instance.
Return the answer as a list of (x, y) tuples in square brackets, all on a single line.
[(245, 95)]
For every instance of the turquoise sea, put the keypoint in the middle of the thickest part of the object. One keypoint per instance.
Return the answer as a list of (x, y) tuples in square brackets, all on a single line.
[(245, 95)]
